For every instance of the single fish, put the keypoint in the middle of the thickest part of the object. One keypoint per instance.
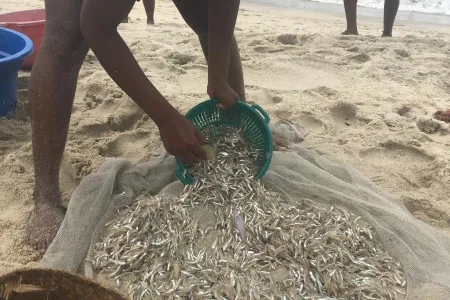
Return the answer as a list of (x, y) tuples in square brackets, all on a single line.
[(239, 223)]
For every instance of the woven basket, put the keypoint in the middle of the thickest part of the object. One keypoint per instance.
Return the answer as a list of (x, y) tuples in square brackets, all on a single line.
[(252, 119), (47, 284)]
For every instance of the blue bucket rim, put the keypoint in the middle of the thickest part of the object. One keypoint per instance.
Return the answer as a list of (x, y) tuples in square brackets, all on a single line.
[(29, 47)]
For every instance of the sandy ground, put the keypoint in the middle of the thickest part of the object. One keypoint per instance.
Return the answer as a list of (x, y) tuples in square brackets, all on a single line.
[(365, 99)]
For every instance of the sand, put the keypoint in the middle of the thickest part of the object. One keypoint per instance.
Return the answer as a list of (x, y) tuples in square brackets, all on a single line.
[(364, 99)]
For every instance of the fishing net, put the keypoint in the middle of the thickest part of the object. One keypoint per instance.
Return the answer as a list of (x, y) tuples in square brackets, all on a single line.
[(320, 188), (247, 242)]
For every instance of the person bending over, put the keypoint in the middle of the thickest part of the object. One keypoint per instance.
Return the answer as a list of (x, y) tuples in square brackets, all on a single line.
[(75, 26)]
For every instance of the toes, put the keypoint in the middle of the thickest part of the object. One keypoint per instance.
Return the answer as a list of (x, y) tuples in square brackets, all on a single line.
[(281, 148), (34, 244), (42, 245), (41, 232)]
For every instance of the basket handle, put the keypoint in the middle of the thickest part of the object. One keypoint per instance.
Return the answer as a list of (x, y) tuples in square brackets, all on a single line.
[(180, 176), (262, 112)]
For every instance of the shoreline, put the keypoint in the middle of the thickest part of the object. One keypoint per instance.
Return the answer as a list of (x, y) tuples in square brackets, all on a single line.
[(366, 13)]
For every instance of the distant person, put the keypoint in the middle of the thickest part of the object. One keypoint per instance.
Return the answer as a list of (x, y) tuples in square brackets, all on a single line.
[(390, 11), (149, 6)]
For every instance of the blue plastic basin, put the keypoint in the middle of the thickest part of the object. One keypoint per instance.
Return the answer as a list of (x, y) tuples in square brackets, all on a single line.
[(14, 47)]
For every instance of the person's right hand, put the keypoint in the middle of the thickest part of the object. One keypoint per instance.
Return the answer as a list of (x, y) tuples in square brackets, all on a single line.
[(181, 138)]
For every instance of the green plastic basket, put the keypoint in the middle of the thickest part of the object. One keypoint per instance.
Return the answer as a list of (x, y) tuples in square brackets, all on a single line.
[(252, 119)]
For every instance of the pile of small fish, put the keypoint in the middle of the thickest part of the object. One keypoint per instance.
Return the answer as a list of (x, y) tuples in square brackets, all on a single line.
[(227, 237)]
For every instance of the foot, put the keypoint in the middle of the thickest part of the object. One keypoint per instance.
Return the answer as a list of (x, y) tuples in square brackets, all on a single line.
[(281, 148), (280, 142), (386, 34), (43, 225), (150, 22), (350, 32)]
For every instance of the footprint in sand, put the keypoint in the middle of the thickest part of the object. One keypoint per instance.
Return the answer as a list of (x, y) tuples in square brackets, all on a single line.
[(401, 53), (115, 113), (425, 211), (376, 50), (152, 63), (428, 125), (410, 111), (360, 58), (91, 127), (399, 162), (135, 46), (344, 114), (126, 117), (397, 151), (353, 49), (444, 84), (288, 39), (81, 164), (268, 49), (264, 97), (181, 59), (327, 52), (403, 115), (95, 94), (322, 90), (197, 67), (413, 113), (277, 99), (311, 121), (256, 42), (130, 145)]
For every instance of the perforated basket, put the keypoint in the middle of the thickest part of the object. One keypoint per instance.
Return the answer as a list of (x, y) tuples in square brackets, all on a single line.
[(252, 119)]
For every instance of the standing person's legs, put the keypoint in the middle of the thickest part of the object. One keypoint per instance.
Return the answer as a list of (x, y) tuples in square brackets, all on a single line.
[(195, 13), (52, 89), (150, 10), (390, 12), (350, 14)]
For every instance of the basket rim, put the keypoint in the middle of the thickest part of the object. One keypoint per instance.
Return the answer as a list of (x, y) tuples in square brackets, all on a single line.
[(182, 168)]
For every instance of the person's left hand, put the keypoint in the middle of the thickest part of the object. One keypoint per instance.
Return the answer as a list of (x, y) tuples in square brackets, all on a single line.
[(224, 93)]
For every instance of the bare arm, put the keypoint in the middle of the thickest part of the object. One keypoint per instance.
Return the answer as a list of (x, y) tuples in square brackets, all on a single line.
[(222, 17), (99, 22)]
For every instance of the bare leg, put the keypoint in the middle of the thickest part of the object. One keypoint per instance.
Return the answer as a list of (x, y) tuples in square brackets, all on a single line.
[(195, 13), (350, 13), (149, 10), (236, 74), (52, 89), (390, 12)]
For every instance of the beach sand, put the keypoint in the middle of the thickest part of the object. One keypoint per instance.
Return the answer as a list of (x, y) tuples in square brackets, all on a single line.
[(364, 99)]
